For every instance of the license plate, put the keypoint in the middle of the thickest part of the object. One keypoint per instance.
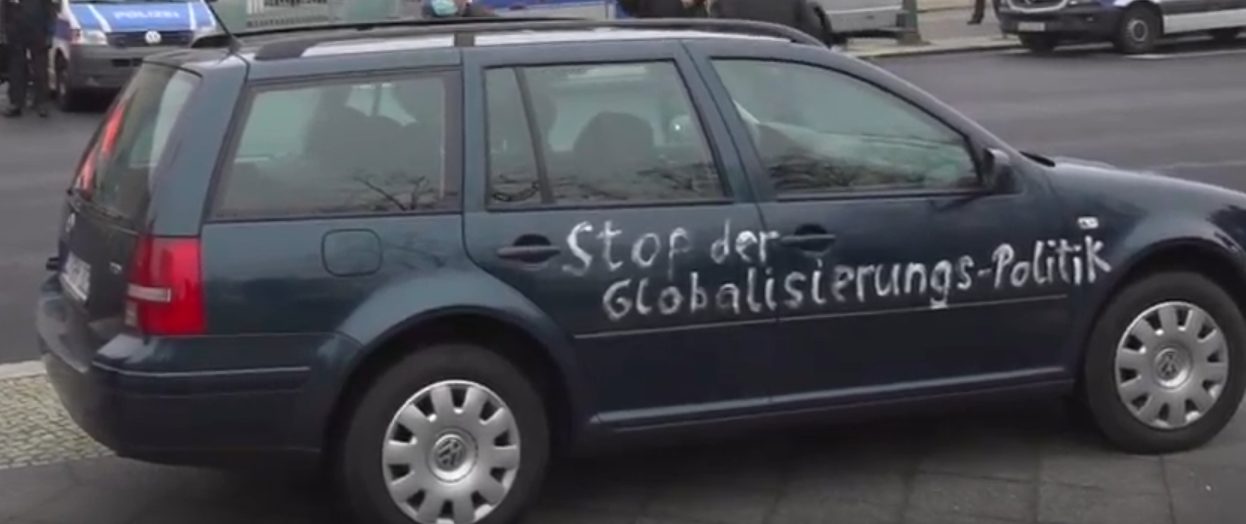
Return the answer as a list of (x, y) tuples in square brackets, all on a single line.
[(76, 276), (1031, 27)]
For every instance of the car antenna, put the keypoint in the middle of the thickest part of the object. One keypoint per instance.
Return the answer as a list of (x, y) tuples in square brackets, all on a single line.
[(234, 43)]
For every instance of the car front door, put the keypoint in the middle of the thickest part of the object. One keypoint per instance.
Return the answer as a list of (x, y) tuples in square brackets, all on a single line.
[(604, 200), (902, 268)]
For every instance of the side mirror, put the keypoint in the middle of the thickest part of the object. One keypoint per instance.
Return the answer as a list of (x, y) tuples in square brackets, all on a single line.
[(997, 170)]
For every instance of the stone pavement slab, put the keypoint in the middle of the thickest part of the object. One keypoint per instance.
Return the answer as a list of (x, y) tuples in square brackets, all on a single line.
[(34, 428), (1020, 464)]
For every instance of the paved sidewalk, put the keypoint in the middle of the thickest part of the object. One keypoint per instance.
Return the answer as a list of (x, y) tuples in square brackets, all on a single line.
[(1017, 464), (943, 30)]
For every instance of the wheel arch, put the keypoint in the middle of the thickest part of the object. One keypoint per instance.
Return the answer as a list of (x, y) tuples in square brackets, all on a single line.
[(1218, 258), (500, 320)]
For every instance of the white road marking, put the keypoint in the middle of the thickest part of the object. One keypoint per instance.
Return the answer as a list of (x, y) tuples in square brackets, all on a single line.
[(30, 368), (1195, 54)]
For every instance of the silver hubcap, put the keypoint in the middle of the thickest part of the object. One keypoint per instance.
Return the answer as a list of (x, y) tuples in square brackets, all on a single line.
[(1139, 30), (1171, 365), (451, 453)]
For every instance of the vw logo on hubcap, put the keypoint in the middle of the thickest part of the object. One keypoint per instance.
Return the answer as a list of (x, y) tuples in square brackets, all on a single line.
[(450, 453), (453, 456)]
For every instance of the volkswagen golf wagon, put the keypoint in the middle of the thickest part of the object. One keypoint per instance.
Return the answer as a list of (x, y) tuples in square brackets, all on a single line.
[(432, 256)]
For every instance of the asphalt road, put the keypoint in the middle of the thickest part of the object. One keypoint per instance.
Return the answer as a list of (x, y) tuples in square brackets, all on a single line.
[(1181, 113)]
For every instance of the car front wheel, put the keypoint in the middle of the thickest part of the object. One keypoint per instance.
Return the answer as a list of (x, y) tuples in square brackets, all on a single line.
[(1164, 367), (450, 434), (1039, 43), (1139, 31), (1224, 36), (68, 98)]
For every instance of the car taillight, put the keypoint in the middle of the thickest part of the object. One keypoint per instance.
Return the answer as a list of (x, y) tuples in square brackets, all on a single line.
[(165, 293)]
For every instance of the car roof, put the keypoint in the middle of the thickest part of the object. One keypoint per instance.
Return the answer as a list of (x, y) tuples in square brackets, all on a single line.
[(405, 36)]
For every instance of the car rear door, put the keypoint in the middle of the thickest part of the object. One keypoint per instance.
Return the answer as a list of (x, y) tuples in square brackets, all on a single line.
[(902, 271), (107, 206), (610, 197)]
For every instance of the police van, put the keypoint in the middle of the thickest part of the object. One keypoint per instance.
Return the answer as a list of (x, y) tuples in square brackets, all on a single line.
[(1134, 26), (98, 44), (847, 17)]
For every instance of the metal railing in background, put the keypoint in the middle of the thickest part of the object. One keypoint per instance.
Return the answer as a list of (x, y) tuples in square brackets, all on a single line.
[(271, 13)]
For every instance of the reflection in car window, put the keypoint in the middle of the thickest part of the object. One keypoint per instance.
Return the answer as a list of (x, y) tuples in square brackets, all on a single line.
[(347, 148), (607, 133), (819, 131)]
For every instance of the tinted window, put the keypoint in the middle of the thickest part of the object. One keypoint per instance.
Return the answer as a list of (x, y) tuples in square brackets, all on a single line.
[(820, 131), (585, 134), (117, 174), (376, 146)]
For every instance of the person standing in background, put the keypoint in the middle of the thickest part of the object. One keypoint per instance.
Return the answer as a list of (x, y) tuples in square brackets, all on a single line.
[(28, 33), (979, 11), (663, 8), (456, 9), (801, 15)]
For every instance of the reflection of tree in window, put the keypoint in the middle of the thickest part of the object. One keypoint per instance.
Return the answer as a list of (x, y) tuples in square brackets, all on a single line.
[(609, 133), (819, 130), (374, 147)]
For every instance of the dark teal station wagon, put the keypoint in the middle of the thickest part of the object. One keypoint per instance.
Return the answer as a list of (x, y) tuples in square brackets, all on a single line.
[(435, 254)]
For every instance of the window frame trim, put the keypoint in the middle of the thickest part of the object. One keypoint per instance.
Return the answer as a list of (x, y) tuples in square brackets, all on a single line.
[(730, 196), (765, 184), (454, 170)]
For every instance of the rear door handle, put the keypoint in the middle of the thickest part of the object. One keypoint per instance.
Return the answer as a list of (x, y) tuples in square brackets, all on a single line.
[(529, 253), (808, 240)]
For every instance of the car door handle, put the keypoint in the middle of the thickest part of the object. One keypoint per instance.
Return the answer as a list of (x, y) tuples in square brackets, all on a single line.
[(529, 253), (807, 240)]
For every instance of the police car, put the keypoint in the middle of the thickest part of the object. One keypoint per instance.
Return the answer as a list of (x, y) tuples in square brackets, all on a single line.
[(1134, 26), (847, 17), (99, 43)]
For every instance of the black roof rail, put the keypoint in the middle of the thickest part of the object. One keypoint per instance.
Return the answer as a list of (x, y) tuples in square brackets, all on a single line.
[(299, 40)]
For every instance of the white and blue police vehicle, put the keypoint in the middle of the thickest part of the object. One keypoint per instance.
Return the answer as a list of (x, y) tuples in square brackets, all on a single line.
[(1134, 26), (98, 44), (848, 17)]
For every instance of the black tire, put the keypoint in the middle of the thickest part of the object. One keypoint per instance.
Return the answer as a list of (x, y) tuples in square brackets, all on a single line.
[(357, 466), (1099, 378), (1224, 36), (1040, 44), (68, 98), (1139, 30)]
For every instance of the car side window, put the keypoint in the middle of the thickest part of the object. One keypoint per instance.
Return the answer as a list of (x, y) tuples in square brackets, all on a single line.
[(595, 134), (353, 147), (818, 131)]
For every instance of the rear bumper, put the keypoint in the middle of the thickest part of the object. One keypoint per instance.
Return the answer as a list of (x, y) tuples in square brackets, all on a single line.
[(1083, 22), (104, 67), (191, 401)]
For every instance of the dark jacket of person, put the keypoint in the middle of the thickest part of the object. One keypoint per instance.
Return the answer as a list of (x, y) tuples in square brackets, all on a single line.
[(27, 16), (659, 9), (798, 14)]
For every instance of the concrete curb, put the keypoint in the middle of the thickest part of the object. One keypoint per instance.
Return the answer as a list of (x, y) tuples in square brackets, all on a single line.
[(935, 49), (32, 368)]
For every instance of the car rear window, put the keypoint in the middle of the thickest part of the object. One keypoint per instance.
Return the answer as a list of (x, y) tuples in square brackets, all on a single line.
[(117, 172), (349, 147)]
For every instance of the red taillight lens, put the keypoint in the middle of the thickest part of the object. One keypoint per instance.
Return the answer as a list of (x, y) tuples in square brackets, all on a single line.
[(165, 295)]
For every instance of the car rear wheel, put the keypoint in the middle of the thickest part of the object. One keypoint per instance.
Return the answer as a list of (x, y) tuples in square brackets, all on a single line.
[(1164, 367), (1225, 36), (1139, 30), (452, 433), (1039, 43)]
